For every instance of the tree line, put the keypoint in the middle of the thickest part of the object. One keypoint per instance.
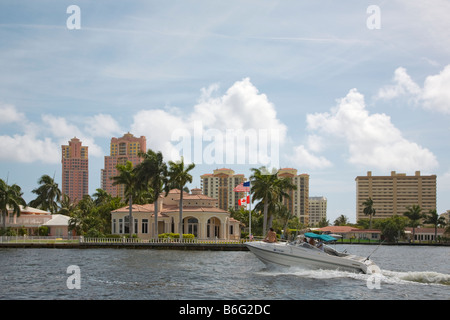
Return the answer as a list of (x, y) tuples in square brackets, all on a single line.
[(91, 215), (393, 228), (144, 183)]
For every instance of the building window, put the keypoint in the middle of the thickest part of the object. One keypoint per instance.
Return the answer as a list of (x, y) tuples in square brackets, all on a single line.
[(127, 224), (192, 226), (114, 226), (144, 225), (120, 225)]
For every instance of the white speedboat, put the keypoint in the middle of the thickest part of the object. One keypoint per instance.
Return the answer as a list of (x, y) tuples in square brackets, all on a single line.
[(302, 254)]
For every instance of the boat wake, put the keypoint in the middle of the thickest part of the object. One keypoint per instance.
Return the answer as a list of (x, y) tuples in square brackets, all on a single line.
[(386, 276), (424, 277)]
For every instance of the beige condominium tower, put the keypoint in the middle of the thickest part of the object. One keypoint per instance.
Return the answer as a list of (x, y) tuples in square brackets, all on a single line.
[(75, 170), (122, 149), (392, 194), (298, 203), (317, 210), (220, 185)]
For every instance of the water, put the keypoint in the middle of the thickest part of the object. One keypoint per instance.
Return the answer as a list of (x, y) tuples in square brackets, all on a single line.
[(421, 273)]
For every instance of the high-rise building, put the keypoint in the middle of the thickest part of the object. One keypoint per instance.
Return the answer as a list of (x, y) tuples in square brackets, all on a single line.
[(220, 185), (298, 203), (75, 170), (392, 194), (317, 210), (122, 149)]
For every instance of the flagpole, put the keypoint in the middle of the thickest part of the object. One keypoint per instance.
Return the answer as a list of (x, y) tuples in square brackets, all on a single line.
[(250, 212)]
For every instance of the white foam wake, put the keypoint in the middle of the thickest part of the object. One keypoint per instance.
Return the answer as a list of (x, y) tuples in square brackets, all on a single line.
[(387, 276)]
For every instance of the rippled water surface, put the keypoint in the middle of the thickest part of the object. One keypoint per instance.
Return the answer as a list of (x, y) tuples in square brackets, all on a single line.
[(407, 273)]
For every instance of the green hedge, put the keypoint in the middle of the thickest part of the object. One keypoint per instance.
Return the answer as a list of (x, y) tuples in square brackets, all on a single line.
[(175, 236)]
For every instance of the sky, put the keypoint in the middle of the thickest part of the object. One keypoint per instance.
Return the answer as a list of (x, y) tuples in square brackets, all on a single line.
[(331, 88)]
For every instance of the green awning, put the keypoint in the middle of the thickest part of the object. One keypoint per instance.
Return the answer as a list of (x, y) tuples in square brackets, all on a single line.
[(323, 237)]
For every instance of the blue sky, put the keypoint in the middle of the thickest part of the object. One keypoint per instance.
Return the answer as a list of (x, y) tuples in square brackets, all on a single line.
[(345, 98)]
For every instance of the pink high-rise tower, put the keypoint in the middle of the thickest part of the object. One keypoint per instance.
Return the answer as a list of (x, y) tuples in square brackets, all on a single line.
[(75, 170), (122, 150)]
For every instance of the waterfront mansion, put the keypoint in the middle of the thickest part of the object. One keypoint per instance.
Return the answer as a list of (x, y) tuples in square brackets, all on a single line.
[(201, 217)]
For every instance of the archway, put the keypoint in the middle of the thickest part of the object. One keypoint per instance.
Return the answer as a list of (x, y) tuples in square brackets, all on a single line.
[(213, 228), (190, 225)]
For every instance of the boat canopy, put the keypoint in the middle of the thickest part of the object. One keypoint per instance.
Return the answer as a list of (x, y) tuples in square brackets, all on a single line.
[(323, 237)]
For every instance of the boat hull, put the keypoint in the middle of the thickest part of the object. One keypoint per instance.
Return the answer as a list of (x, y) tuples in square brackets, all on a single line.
[(283, 254)]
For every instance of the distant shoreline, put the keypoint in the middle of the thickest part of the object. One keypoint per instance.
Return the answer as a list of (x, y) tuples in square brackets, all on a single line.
[(175, 246)]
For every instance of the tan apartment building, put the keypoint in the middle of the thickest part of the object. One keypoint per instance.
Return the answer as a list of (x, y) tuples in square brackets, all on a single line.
[(122, 149), (317, 210), (75, 170), (298, 204), (392, 194), (220, 185)]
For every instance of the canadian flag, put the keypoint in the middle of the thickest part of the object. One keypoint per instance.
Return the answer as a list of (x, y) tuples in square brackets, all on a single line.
[(244, 201)]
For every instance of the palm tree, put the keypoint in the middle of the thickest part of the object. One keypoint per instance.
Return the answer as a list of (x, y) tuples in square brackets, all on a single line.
[(341, 220), (178, 178), (434, 219), (269, 190), (414, 213), (67, 206), (10, 199), (82, 218), (152, 172), (101, 196), (263, 190), (48, 195), (282, 186), (369, 210), (127, 178)]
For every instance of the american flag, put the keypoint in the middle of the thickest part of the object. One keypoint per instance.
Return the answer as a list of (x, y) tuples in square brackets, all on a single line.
[(243, 187)]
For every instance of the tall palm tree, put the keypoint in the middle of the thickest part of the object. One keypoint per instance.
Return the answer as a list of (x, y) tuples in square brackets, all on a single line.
[(369, 210), (269, 190), (262, 189), (127, 178), (434, 219), (48, 195), (282, 186), (414, 213), (10, 199), (152, 172), (179, 176)]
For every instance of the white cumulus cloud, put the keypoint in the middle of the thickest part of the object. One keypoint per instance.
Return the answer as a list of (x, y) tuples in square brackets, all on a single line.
[(435, 94), (304, 158), (28, 148), (9, 114), (241, 112), (372, 140)]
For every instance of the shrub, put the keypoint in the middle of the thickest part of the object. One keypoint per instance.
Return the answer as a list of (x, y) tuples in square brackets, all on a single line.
[(175, 236), (43, 231)]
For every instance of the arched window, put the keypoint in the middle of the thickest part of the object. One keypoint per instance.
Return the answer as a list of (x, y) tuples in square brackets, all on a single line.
[(213, 228), (192, 226)]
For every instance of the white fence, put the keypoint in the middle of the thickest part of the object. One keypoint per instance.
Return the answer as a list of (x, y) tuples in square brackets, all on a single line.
[(81, 239), (163, 240), (38, 239)]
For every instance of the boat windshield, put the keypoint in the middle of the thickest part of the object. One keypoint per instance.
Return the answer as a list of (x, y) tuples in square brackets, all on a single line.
[(327, 249)]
